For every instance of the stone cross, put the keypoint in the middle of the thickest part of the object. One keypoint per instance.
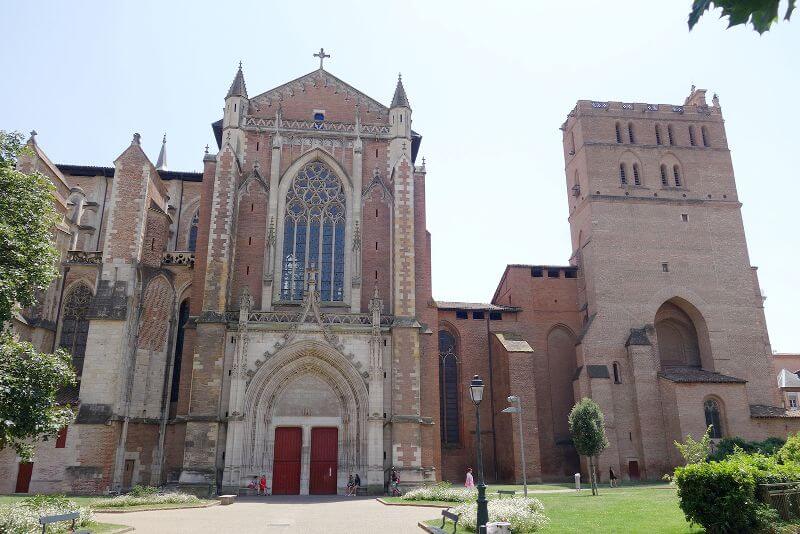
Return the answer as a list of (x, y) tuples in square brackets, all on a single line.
[(321, 55)]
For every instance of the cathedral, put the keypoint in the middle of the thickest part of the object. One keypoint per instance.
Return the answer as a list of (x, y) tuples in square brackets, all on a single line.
[(273, 313)]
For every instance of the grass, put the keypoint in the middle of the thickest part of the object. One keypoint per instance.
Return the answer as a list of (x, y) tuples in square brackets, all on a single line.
[(103, 528), (619, 510)]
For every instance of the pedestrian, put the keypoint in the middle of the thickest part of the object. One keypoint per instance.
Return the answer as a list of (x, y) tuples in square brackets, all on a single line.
[(356, 484), (470, 482), (349, 485), (262, 485), (394, 482), (612, 477)]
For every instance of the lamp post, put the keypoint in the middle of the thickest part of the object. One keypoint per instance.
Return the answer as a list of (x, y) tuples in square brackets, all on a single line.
[(476, 394), (517, 409)]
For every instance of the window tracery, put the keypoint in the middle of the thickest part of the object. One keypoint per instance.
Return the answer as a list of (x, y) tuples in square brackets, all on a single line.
[(75, 324), (448, 389), (314, 233)]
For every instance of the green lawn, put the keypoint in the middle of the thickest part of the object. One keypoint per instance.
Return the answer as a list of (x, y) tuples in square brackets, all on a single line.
[(619, 510)]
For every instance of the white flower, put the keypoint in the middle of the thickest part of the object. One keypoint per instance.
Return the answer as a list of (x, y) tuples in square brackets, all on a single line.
[(525, 514), (442, 491)]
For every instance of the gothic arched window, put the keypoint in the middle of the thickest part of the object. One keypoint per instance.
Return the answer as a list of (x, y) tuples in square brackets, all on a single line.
[(313, 233), (192, 241), (713, 417), (75, 324), (448, 389)]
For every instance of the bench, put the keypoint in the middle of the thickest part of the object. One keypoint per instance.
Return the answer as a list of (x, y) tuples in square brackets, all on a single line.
[(362, 490), (446, 514), (70, 516), (510, 493), (225, 500)]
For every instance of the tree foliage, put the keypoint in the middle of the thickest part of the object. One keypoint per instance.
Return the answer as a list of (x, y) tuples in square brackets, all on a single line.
[(29, 381), (587, 426), (728, 446), (695, 451), (790, 452), (27, 216), (762, 14)]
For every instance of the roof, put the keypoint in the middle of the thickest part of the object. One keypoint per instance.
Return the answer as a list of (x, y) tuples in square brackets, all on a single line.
[(400, 99), (691, 375), (238, 87), (788, 379), (446, 305), (108, 172), (762, 411), (512, 342)]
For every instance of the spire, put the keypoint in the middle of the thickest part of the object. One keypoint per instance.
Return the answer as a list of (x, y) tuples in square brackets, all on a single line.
[(238, 88), (161, 164), (400, 99)]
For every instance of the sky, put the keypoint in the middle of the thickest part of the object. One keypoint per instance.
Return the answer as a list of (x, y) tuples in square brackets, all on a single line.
[(489, 83)]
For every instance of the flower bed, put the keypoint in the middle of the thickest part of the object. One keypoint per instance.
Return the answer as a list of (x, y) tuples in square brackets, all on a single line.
[(525, 514), (441, 492), (23, 517), (124, 501)]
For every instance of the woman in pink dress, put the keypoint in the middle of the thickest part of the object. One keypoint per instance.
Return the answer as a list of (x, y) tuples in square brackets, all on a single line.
[(470, 483)]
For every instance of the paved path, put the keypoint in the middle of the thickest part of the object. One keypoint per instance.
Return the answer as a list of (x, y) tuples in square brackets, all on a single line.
[(282, 514)]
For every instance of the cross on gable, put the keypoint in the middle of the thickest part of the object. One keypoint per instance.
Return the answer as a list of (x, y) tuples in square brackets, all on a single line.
[(321, 55)]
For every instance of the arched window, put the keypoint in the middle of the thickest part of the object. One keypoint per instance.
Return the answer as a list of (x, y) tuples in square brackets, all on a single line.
[(619, 133), (448, 389), (676, 172), (623, 178), (313, 233), (691, 136), (704, 133), (191, 243), (75, 325), (637, 180), (658, 134), (664, 180), (713, 417), (670, 135), (617, 374), (183, 318), (631, 138)]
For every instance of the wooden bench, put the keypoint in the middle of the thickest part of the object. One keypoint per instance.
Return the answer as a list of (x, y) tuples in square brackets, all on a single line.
[(446, 514), (225, 500), (70, 516), (510, 493)]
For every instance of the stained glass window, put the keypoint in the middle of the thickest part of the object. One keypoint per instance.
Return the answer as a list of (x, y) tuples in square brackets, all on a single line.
[(448, 388), (713, 418), (75, 325), (313, 233), (192, 244)]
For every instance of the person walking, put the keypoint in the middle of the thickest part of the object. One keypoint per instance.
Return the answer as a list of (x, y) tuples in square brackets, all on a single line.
[(612, 477), (356, 484), (262, 485), (350, 483), (470, 482), (394, 482)]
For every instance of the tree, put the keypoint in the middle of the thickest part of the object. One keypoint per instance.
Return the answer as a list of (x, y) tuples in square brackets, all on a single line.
[(29, 381), (760, 13), (587, 426), (790, 452), (27, 217), (694, 452)]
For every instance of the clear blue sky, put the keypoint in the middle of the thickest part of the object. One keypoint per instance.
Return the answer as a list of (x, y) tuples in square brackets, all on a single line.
[(489, 83)]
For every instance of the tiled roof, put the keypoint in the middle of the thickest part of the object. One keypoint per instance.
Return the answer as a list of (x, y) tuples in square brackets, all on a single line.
[(696, 375), (448, 305), (762, 411), (512, 342)]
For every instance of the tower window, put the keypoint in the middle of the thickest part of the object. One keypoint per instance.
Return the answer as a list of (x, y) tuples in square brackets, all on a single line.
[(677, 173), (631, 138), (319, 116), (691, 135), (537, 272), (684, 217), (623, 179), (619, 133), (257, 145), (495, 316), (664, 180), (658, 134), (250, 240), (617, 374), (478, 315), (664, 267), (636, 178), (670, 135), (460, 314), (704, 133)]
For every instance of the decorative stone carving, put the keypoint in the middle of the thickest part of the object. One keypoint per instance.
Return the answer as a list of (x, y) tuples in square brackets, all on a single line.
[(83, 257), (178, 258)]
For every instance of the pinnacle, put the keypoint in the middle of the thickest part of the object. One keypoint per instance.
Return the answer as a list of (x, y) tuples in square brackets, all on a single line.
[(238, 87), (400, 99)]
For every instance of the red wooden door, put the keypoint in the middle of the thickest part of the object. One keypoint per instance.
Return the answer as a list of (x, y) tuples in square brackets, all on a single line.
[(633, 470), (24, 477), (286, 464), (324, 454)]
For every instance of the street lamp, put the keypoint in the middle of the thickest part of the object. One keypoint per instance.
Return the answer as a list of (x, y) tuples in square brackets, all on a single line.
[(517, 409), (476, 394)]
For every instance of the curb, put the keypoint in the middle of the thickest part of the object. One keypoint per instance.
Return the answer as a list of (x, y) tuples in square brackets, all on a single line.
[(412, 503), (424, 527), (117, 511)]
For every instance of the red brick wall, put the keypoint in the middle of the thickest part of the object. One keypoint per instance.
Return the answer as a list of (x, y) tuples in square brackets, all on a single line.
[(251, 229)]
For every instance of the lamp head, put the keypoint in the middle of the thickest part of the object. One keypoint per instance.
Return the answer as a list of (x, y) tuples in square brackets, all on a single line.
[(476, 390)]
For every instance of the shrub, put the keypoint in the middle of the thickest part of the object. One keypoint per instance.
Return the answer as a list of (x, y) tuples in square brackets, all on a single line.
[(695, 451), (123, 501), (727, 446), (790, 451), (143, 491), (443, 491), (23, 517), (525, 514), (722, 496)]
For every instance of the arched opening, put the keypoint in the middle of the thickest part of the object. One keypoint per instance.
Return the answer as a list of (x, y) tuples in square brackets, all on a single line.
[(561, 364), (618, 131), (682, 336), (712, 408), (183, 318), (448, 389), (75, 324)]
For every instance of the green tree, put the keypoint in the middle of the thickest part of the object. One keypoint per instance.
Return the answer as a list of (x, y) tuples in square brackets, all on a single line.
[(762, 14), (29, 381), (790, 452), (587, 426), (27, 217), (694, 452)]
